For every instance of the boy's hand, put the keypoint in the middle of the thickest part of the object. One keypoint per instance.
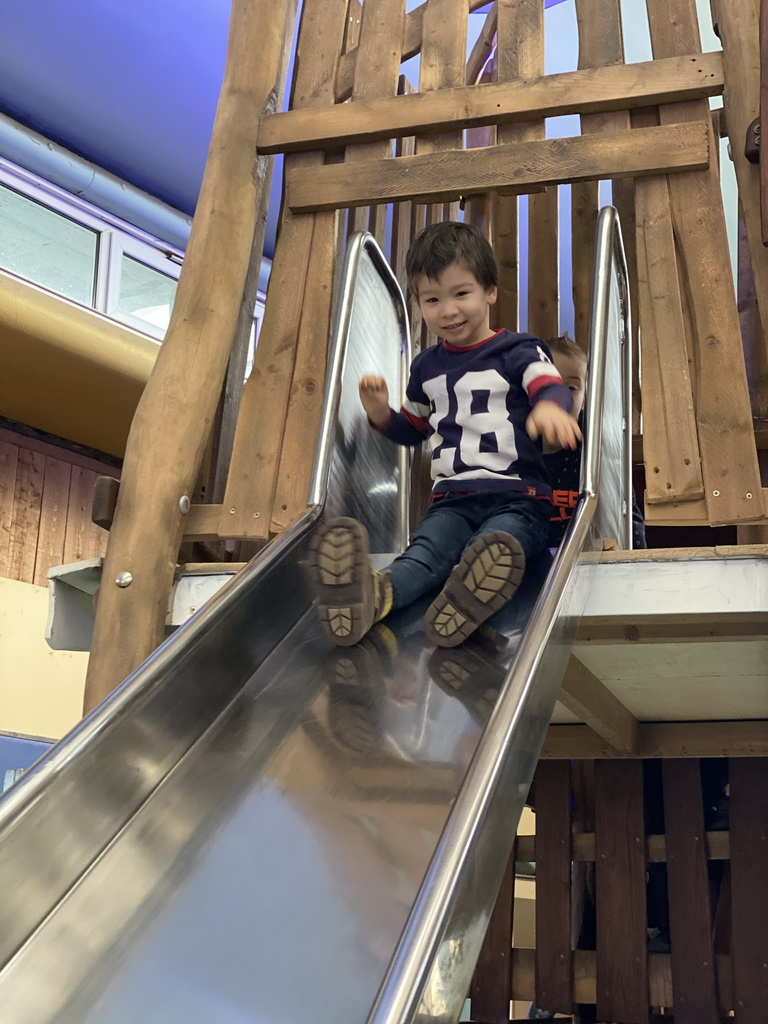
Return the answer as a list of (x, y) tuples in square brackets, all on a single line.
[(374, 395), (550, 421)]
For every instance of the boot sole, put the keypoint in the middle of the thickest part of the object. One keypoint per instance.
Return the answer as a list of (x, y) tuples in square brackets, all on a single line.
[(341, 572), (486, 577)]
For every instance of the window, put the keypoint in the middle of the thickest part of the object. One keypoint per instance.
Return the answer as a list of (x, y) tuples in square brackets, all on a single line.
[(44, 247), (64, 244)]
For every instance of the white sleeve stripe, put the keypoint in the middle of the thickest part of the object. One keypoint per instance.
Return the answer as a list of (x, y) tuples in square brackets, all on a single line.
[(416, 409), (534, 370)]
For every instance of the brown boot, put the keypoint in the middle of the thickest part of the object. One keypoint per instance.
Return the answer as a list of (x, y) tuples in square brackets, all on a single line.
[(352, 595), (486, 577)]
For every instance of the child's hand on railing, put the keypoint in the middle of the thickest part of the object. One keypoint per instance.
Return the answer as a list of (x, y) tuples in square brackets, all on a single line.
[(374, 395)]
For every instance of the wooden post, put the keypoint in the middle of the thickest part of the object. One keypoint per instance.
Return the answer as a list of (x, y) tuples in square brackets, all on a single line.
[(738, 25), (731, 475), (175, 412), (491, 989), (622, 954), (283, 396)]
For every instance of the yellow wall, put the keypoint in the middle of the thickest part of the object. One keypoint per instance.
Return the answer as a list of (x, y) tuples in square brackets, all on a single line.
[(41, 690)]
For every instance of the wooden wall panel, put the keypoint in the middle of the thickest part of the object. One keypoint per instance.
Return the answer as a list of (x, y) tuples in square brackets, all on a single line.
[(25, 521), (53, 518), (9, 457), (82, 538)]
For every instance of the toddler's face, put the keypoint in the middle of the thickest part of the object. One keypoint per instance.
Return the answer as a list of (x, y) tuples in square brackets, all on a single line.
[(573, 372)]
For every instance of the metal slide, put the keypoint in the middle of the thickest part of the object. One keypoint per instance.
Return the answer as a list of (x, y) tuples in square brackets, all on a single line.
[(258, 828)]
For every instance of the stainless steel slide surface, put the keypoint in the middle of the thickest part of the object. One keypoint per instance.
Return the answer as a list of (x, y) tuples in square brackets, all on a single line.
[(257, 827)]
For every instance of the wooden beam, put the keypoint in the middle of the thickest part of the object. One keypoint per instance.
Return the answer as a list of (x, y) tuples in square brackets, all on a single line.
[(515, 101), (104, 501), (447, 176), (665, 739), (410, 46), (592, 702), (695, 513), (290, 340), (717, 846), (171, 425)]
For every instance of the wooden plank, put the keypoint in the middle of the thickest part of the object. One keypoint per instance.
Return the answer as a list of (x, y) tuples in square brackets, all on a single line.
[(696, 513), (443, 65), (554, 984), (749, 887), (53, 518), (402, 214), (592, 702), (717, 846), (512, 100), (670, 446), (260, 430), (665, 739), (307, 387), (491, 989), (694, 982), (376, 75), (25, 520), (726, 438), (482, 47), (544, 263), (9, 457), (659, 976), (600, 45), (447, 176), (519, 57), (180, 399), (622, 955), (411, 44), (82, 538)]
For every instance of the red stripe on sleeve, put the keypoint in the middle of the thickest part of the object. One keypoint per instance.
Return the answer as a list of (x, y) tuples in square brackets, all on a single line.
[(542, 382), (419, 422)]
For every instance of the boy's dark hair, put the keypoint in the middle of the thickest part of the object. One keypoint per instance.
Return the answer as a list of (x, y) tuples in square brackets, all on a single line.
[(566, 346), (439, 245)]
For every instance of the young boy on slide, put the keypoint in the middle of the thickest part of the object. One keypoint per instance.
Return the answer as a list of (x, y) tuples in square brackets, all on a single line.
[(483, 400)]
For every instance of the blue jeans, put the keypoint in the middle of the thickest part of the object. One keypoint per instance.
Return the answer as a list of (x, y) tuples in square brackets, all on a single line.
[(450, 524)]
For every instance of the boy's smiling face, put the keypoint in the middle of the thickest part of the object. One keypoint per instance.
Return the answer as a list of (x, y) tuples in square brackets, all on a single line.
[(456, 307)]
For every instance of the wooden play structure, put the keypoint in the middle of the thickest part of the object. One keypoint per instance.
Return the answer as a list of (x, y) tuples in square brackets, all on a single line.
[(366, 148)]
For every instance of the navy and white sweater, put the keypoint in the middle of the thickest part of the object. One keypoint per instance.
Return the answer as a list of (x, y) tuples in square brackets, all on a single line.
[(471, 404)]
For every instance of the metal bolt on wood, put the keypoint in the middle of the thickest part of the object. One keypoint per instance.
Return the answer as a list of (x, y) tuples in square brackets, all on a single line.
[(124, 579), (184, 504)]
